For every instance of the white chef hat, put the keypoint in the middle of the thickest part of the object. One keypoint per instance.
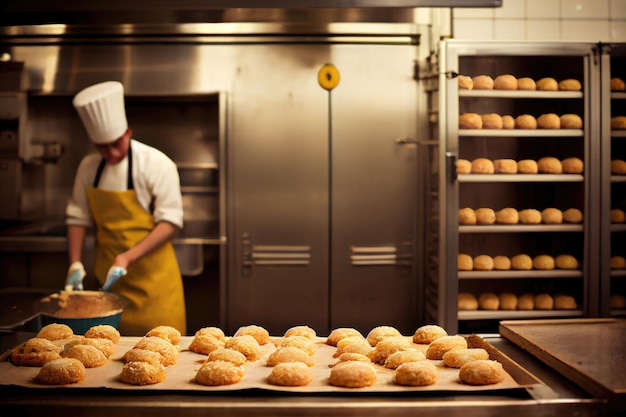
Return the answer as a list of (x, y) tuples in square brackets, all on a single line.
[(101, 108)]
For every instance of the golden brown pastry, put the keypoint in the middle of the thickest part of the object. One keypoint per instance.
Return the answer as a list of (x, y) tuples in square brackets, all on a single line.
[(549, 121), (617, 301), (549, 165), (483, 263), (571, 121), (564, 302), (482, 82), (482, 166), (467, 302), (507, 215), (301, 342), (465, 262), (482, 372), (340, 333), (572, 165), (35, 352), (291, 374), (505, 82), (352, 374), (501, 263), (228, 355), (544, 301), (508, 122), (289, 354), (488, 301), (529, 216), (543, 262), (617, 84), (105, 346), (142, 355), (505, 166), (491, 121), (485, 215), (353, 344), (205, 343), (551, 215), (301, 330), (525, 121), (246, 344), (618, 167), (103, 331), (526, 302), (508, 301), (470, 121), (55, 331), (547, 84), (416, 374), (566, 262), (398, 358), (168, 352), (89, 355), (522, 262), (444, 344), (168, 333), (465, 82), (526, 83), (570, 84), (216, 373), (216, 332), (456, 358), (428, 333), (618, 262), (618, 216), (261, 335), (349, 356), (527, 166), (380, 333), (618, 122), (572, 215), (61, 372), (142, 373), (386, 347), (467, 216), (463, 166)]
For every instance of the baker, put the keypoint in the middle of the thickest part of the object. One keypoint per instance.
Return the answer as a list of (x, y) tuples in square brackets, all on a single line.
[(131, 193)]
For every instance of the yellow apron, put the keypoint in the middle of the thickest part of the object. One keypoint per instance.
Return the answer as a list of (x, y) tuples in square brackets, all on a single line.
[(153, 285)]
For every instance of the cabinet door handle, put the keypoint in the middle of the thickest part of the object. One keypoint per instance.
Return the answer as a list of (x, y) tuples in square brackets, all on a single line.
[(451, 166)]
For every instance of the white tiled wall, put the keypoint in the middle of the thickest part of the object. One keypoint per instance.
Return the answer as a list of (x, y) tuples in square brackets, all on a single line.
[(543, 20)]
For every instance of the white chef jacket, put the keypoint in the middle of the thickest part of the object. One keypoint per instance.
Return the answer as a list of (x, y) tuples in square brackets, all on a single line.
[(155, 179)]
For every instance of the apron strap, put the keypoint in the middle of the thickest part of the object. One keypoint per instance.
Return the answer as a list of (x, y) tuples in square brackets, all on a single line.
[(129, 183)]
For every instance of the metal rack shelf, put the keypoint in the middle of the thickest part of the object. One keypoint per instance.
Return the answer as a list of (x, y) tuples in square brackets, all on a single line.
[(520, 178), (520, 94), (534, 133), (521, 228), (510, 314), (555, 273)]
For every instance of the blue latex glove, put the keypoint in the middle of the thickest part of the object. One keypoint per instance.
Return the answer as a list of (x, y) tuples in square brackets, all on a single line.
[(115, 273), (75, 275)]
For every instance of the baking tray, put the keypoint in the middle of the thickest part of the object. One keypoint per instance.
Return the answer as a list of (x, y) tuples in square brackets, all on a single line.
[(590, 352), (180, 377)]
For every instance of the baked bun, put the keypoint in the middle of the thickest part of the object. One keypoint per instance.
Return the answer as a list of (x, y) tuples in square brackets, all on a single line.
[(293, 374), (482, 82), (566, 262), (617, 84), (463, 166), (440, 346), (492, 121), (617, 301), (55, 331), (465, 262), (508, 301), (618, 167), (428, 333), (483, 263), (465, 82), (525, 121), (467, 302), (522, 262), (456, 358), (618, 216), (485, 215), (470, 121), (552, 215), (549, 165), (572, 215), (142, 373), (61, 372), (482, 372), (529, 216), (543, 262), (549, 121), (261, 334), (570, 84), (526, 302), (380, 333), (505, 82), (618, 122), (547, 84), (217, 373), (571, 121), (544, 301), (526, 83), (508, 122), (505, 166), (488, 301), (572, 165), (396, 359), (341, 333), (501, 263), (564, 302), (416, 374), (507, 215), (482, 166), (618, 262), (527, 166), (467, 216)]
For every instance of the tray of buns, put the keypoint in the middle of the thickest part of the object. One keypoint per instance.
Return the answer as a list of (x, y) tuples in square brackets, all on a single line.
[(196, 363), (590, 352)]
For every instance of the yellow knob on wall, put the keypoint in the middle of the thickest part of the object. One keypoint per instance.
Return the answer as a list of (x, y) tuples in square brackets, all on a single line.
[(328, 77)]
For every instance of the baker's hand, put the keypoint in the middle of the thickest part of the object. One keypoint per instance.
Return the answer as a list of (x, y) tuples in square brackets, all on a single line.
[(115, 273), (75, 275)]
